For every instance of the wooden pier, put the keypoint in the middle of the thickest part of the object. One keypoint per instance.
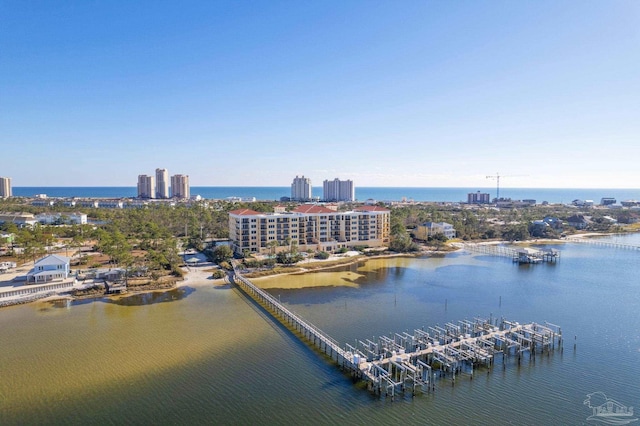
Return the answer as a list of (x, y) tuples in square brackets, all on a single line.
[(517, 254), (404, 361), (416, 361), (313, 334), (596, 241)]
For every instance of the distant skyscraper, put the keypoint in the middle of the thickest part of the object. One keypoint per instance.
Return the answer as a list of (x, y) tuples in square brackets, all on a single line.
[(5, 187), (338, 190), (301, 189), (478, 198), (162, 183), (180, 186), (146, 186)]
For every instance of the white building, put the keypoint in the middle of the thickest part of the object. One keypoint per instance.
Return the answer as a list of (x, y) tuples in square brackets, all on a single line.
[(338, 190), (180, 186), (301, 189), (43, 202), (5, 187), (89, 203), (429, 229), (146, 186), (162, 183), (110, 204), (62, 218), (49, 268), (20, 219)]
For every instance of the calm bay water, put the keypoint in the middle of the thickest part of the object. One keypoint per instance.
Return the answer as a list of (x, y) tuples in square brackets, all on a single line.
[(557, 195), (210, 356)]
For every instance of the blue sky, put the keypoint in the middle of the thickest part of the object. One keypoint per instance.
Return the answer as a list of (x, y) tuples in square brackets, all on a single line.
[(386, 93)]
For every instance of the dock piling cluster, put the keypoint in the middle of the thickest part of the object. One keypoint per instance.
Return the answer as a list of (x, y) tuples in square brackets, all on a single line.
[(403, 361), (414, 361)]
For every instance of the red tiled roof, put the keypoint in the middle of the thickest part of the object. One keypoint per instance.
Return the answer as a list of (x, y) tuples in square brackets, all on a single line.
[(371, 209), (244, 212), (311, 208)]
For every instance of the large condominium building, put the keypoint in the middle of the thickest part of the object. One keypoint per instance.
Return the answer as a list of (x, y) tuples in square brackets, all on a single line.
[(162, 183), (301, 189), (338, 190), (180, 186), (310, 227), (478, 198), (5, 187), (146, 186)]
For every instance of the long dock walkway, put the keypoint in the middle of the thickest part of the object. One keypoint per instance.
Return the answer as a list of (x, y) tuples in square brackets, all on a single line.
[(313, 334), (517, 254), (404, 360), (598, 242)]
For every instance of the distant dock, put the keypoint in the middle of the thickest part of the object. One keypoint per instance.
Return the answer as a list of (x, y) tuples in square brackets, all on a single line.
[(598, 242), (518, 254)]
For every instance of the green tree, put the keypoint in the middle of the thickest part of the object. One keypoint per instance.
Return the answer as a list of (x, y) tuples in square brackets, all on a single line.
[(222, 253)]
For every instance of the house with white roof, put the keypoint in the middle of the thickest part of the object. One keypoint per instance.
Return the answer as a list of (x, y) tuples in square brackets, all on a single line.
[(50, 268)]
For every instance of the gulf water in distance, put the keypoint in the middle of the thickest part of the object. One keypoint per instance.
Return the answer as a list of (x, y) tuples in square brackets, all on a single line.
[(207, 355), (265, 193)]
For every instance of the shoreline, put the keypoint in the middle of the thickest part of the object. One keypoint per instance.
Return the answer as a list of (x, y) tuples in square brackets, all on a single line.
[(198, 276)]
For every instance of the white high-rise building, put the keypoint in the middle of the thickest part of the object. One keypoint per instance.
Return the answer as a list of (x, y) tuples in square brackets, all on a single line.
[(146, 186), (5, 187), (301, 189), (162, 183), (180, 186), (338, 190)]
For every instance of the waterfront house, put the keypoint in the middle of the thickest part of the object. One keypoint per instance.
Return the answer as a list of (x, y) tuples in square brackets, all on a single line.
[(553, 222), (578, 221), (50, 268), (429, 229)]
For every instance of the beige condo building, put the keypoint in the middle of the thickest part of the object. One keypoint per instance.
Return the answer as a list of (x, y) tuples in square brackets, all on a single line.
[(146, 186), (5, 187), (310, 227), (162, 183), (180, 186)]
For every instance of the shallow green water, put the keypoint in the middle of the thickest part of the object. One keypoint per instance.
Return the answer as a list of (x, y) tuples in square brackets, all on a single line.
[(209, 356)]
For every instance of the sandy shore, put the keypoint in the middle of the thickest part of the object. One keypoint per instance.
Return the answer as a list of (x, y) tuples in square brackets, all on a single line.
[(201, 275)]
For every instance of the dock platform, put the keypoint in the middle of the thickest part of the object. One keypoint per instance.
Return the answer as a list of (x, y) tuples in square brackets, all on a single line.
[(416, 361), (403, 361), (517, 254)]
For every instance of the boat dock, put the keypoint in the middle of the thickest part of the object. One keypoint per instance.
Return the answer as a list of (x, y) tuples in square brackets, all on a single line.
[(598, 242), (517, 254), (415, 361), (403, 361)]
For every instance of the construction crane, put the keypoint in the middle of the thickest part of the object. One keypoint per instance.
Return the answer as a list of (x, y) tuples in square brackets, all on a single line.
[(497, 178)]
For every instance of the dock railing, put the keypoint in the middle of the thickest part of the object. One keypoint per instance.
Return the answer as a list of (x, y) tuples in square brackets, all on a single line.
[(598, 242), (325, 343)]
